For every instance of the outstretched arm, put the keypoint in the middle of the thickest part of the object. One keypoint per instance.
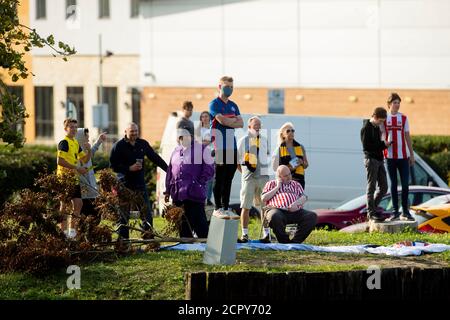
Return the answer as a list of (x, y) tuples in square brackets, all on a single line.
[(153, 156)]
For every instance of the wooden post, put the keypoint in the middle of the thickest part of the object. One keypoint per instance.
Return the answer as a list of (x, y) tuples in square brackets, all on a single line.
[(195, 286)]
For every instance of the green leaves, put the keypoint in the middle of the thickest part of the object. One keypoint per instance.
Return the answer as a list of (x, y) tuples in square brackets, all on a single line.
[(13, 115), (15, 40)]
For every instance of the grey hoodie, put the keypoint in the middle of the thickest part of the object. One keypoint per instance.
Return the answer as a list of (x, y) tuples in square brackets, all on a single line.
[(88, 183)]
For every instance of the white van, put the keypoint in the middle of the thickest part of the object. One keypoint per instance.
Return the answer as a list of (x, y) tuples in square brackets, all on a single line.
[(336, 170)]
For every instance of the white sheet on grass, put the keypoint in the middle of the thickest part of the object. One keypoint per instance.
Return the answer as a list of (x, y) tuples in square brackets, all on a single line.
[(390, 251)]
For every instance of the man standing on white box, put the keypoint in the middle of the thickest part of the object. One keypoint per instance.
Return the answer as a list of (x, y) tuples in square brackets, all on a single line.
[(225, 117)]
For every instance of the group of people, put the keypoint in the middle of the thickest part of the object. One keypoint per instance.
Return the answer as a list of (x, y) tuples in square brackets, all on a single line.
[(209, 155), (206, 158)]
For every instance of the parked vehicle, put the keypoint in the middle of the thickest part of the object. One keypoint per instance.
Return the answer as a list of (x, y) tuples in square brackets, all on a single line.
[(333, 147), (433, 215), (354, 211)]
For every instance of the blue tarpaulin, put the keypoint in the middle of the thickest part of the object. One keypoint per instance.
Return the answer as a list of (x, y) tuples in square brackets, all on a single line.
[(394, 250)]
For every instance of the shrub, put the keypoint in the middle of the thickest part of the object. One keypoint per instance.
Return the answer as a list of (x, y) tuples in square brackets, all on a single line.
[(429, 145), (435, 151), (19, 168), (442, 160)]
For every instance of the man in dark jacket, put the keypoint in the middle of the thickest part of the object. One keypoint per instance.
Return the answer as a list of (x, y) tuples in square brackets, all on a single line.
[(373, 147), (127, 159)]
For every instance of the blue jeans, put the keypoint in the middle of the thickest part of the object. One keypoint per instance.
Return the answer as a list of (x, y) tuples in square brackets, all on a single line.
[(123, 231), (402, 165)]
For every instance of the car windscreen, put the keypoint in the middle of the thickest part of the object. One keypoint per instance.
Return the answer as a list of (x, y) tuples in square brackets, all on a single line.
[(436, 200), (352, 204)]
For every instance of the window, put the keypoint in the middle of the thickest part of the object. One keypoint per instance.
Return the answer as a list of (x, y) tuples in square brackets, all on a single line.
[(41, 9), (414, 198), (71, 8), (103, 9), (276, 100), (136, 106), (110, 98), (428, 196), (17, 92), (134, 10), (43, 101), (76, 99)]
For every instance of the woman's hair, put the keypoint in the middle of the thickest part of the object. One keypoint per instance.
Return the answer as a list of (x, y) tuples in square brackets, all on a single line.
[(393, 96), (280, 132), (201, 114)]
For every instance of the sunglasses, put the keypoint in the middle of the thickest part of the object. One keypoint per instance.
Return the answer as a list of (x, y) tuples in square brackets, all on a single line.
[(290, 130)]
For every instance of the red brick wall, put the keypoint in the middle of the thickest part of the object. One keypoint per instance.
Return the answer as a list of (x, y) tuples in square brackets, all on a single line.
[(429, 110)]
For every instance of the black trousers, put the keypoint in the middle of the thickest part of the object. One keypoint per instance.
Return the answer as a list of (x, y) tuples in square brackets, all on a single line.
[(304, 219), (222, 184), (89, 209), (195, 218), (144, 205)]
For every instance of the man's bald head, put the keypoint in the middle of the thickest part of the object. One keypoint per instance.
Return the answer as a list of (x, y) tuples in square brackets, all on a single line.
[(132, 131), (284, 173)]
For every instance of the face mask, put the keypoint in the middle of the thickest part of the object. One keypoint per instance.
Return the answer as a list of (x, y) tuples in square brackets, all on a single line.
[(227, 91)]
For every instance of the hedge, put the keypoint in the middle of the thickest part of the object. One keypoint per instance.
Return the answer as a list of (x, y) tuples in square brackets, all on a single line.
[(435, 150), (19, 168)]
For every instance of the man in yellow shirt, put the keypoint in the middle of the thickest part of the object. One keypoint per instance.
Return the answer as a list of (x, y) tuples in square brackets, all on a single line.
[(70, 158)]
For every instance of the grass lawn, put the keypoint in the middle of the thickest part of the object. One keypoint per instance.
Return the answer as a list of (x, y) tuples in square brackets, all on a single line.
[(160, 275)]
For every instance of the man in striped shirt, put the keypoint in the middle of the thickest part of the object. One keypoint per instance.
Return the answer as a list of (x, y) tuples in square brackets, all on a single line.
[(399, 155), (285, 198)]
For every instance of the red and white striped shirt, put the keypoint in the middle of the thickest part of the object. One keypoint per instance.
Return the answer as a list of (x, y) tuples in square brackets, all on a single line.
[(285, 196), (393, 129)]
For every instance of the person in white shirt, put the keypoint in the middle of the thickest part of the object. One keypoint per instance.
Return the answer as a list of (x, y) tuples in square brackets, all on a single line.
[(253, 163), (203, 136)]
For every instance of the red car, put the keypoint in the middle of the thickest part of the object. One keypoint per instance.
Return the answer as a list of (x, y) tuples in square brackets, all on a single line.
[(354, 211)]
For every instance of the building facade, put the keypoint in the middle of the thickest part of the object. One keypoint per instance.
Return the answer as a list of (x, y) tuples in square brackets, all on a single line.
[(307, 57)]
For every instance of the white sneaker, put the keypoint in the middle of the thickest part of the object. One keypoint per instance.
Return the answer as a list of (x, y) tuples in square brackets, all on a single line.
[(221, 214), (232, 215)]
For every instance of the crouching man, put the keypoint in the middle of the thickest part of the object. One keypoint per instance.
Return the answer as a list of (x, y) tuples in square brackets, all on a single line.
[(285, 198)]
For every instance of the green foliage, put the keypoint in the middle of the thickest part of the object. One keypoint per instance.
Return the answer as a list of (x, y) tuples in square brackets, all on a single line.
[(442, 159), (16, 40), (19, 168), (13, 116), (100, 161), (129, 277), (428, 145), (435, 150), (150, 174)]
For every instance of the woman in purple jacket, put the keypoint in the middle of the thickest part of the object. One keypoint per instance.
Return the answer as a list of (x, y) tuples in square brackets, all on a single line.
[(191, 167)]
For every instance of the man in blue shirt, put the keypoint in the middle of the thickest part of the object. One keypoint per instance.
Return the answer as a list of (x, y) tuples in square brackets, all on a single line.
[(225, 117)]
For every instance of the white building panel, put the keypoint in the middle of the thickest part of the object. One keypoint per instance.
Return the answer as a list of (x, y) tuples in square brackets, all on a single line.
[(337, 43)]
